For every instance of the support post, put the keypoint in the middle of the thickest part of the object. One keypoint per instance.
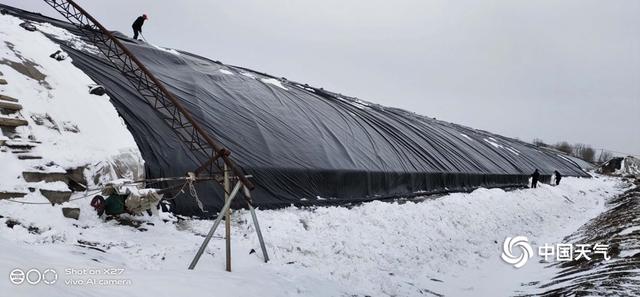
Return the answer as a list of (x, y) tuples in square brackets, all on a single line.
[(265, 255), (224, 209), (227, 218)]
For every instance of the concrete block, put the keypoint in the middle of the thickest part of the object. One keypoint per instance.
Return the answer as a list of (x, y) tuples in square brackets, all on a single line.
[(56, 197), (70, 212), (37, 176)]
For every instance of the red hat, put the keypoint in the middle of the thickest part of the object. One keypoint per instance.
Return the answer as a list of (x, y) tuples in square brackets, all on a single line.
[(98, 203)]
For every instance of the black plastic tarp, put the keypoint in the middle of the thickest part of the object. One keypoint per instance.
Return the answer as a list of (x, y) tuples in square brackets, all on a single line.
[(304, 145)]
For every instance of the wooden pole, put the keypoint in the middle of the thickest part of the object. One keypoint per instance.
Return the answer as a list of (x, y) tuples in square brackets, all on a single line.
[(227, 217)]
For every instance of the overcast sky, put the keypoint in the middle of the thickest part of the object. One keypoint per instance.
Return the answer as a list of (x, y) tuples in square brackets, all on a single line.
[(556, 70)]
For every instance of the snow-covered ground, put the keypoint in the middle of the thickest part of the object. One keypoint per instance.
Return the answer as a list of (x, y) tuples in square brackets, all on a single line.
[(450, 245), (618, 227)]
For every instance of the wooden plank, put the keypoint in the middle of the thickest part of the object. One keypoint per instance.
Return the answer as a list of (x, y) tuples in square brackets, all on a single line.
[(11, 122), (11, 195), (20, 144), (29, 157), (10, 105), (8, 98)]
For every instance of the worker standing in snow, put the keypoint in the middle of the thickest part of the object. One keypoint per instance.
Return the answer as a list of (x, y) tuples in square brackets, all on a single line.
[(534, 179), (137, 25), (558, 177)]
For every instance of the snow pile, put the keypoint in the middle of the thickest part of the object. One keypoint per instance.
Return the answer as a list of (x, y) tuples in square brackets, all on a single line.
[(225, 71), (71, 127), (62, 34), (449, 245), (249, 75), (492, 141), (630, 166), (154, 252), (275, 82), (168, 50), (621, 166)]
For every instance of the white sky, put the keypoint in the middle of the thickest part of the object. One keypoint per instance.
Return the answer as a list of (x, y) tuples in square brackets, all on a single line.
[(552, 69)]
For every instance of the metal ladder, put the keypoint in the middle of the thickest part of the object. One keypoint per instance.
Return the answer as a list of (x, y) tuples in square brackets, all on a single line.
[(207, 150)]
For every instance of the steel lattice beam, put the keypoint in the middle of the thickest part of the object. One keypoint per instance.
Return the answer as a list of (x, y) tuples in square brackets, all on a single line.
[(208, 151)]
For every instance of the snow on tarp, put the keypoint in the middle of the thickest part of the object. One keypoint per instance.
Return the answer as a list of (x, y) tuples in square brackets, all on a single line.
[(581, 163), (305, 145)]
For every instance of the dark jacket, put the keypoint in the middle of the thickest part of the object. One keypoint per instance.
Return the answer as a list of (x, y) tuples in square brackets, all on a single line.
[(114, 205), (536, 175), (137, 25)]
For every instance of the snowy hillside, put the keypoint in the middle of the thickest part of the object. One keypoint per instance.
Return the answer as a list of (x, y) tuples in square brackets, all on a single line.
[(61, 126)]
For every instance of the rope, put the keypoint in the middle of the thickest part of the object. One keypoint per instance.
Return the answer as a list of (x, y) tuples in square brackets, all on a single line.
[(192, 190), (189, 180), (190, 177), (90, 192), (181, 191), (93, 192)]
